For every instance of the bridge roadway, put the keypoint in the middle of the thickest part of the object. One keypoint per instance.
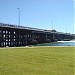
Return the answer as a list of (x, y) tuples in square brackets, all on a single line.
[(13, 35)]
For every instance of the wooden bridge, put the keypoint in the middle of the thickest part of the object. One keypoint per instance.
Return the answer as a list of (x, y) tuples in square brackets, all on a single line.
[(13, 35)]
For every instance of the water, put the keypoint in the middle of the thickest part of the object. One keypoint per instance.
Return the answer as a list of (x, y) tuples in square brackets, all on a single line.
[(59, 43)]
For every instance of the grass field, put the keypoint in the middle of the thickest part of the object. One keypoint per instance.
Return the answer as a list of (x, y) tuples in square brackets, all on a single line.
[(37, 61)]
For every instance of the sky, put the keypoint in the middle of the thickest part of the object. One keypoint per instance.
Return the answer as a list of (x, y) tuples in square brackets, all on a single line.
[(43, 14)]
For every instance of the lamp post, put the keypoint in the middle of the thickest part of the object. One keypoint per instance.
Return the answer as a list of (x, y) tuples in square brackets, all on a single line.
[(19, 25), (18, 16), (66, 29), (52, 25)]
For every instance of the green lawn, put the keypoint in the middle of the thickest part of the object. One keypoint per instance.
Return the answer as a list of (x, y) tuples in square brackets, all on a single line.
[(37, 61)]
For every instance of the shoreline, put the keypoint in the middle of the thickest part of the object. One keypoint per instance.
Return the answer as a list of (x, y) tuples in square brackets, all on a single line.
[(37, 47)]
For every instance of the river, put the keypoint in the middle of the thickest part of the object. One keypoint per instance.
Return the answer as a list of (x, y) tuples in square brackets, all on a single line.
[(59, 43)]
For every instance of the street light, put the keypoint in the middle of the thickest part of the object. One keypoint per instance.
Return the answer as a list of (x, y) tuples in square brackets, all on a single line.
[(19, 24), (52, 25), (66, 29), (18, 16)]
